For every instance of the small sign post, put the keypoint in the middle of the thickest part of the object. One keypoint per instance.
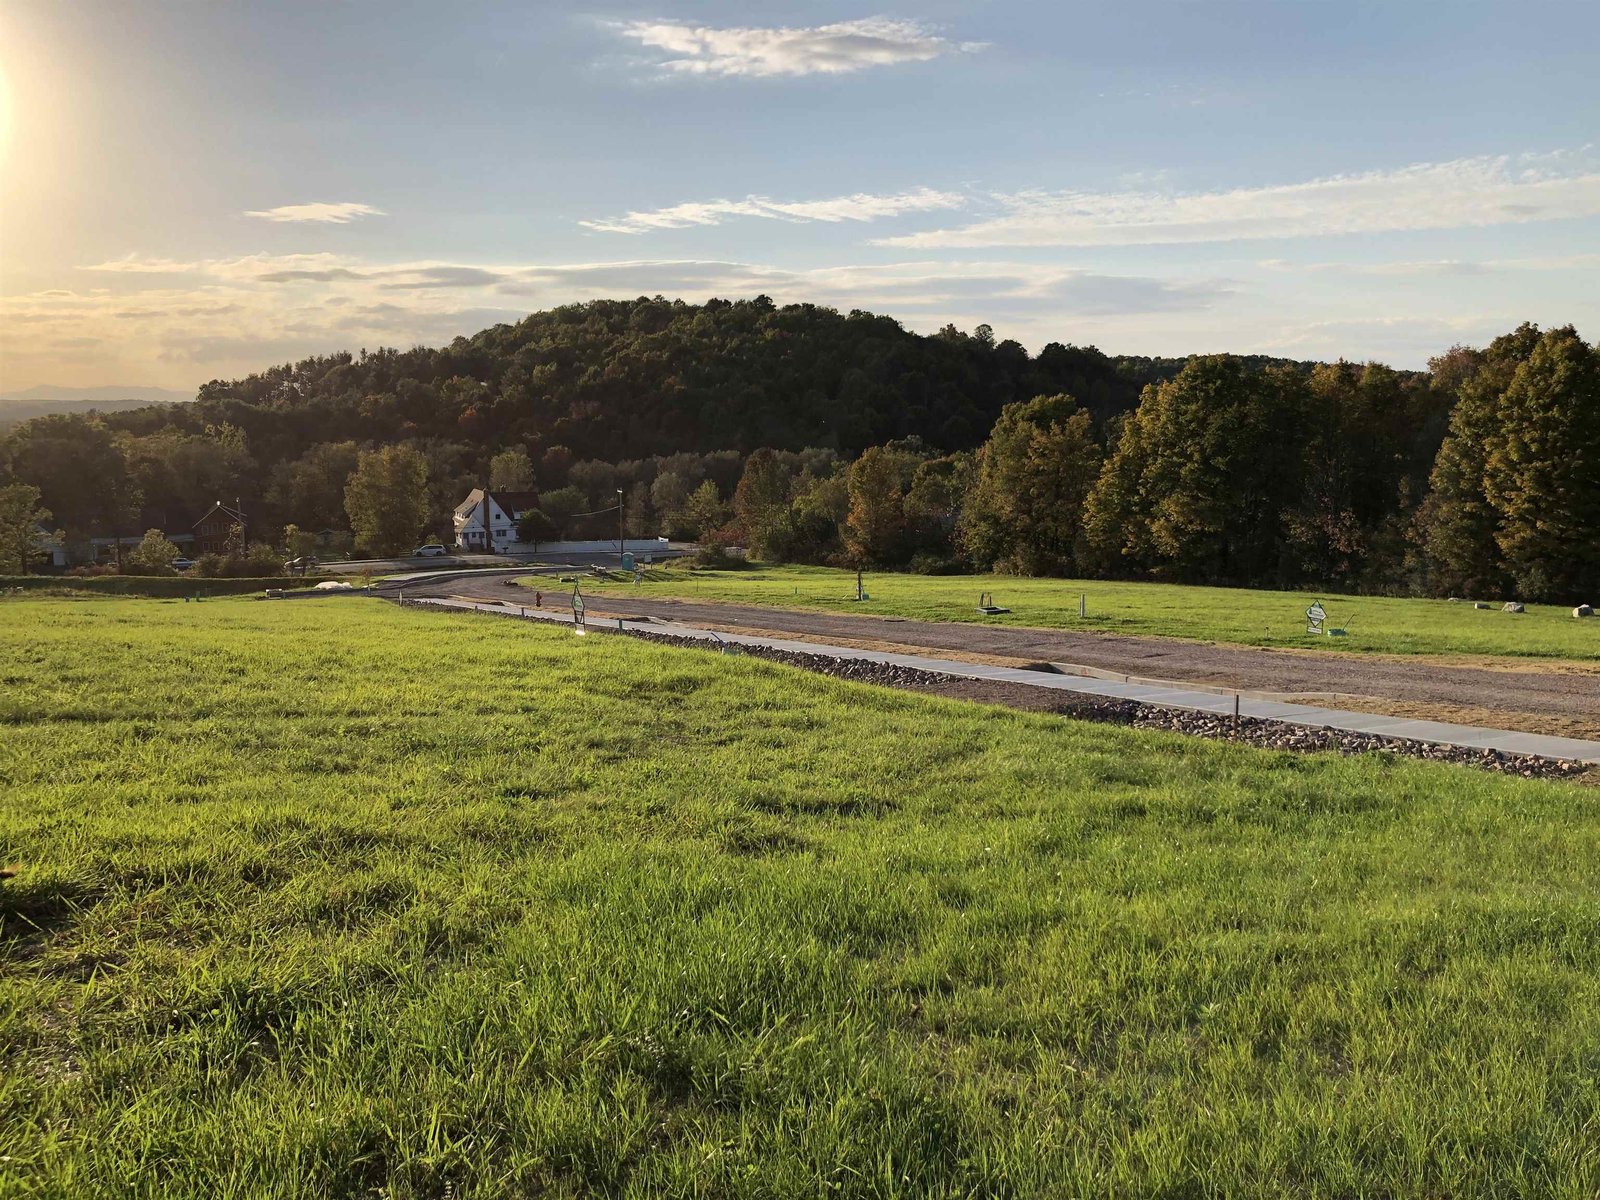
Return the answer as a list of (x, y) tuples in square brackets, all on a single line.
[(1316, 615), (578, 626)]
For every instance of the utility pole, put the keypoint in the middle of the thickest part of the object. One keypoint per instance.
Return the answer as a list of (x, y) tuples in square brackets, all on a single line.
[(622, 529)]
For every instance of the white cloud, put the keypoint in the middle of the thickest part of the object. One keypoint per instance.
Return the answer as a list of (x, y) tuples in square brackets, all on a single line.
[(1462, 193), (858, 207), (332, 214), (821, 50)]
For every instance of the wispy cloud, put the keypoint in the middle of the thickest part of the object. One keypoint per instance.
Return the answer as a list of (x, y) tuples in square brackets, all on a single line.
[(137, 264), (901, 285), (329, 214), (858, 207), (1426, 268), (182, 320), (1462, 193), (819, 50)]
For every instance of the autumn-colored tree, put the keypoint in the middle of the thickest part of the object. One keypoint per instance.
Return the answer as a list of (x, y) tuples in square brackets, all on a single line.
[(876, 518)]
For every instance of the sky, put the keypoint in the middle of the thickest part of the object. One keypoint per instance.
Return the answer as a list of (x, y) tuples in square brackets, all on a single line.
[(191, 190)]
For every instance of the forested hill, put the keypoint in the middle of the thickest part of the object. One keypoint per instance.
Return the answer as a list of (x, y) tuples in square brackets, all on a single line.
[(620, 379)]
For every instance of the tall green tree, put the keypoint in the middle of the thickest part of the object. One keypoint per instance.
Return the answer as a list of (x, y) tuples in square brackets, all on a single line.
[(309, 490), (1370, 436), (1026, 507), (561, 505), (761, 501), (387, 499), (934, 501), (1202, 476), (21, 517), (534, 527), (1456, 524), (511, 471), (1542, 470), (77, 464), (704, 512)]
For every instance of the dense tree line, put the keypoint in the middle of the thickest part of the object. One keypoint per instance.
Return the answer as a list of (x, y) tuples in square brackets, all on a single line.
[(610, 383), (809, 435), (1480, 477)]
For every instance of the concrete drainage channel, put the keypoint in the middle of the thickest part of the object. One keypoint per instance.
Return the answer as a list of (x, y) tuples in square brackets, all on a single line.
[(1253, 731), (1085, 704)]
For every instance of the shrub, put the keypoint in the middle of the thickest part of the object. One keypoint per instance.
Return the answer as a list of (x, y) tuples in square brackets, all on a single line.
[(926, 563), (715, 554)]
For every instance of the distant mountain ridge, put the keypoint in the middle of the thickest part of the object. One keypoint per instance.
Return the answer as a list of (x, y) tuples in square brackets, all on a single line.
[(47, 398)]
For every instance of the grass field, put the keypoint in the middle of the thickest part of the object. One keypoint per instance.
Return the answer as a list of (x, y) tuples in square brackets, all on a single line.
[(1249, 618), (327, 898)]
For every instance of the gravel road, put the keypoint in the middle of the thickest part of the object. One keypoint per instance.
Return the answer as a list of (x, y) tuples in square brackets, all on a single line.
[(1541, 700)]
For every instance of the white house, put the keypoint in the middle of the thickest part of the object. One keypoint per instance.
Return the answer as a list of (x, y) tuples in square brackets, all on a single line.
[(505, 510)]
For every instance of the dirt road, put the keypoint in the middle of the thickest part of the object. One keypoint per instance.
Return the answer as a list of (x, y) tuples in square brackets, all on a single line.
[(1526, 696)]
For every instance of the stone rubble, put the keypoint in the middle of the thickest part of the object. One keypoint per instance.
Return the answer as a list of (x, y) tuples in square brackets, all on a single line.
[(1254, 731)]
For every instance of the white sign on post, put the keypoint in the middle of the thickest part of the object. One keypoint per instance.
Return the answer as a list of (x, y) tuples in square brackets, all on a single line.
[(1315, 616)]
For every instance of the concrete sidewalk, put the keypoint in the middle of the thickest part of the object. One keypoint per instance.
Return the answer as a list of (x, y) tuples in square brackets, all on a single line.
[(1149, 692)]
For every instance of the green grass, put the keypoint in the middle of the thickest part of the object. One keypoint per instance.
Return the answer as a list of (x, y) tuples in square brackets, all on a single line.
[(327, 898), (1248, 618)]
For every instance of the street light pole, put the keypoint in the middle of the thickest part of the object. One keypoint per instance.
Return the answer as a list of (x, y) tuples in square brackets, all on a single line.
[(622, 529)]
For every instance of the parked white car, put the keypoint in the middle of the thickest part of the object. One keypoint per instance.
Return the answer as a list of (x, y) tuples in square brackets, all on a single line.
[(182, 564), (431, 550)]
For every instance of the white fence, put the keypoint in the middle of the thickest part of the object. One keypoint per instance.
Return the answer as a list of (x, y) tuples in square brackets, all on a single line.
[(636, 546)]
